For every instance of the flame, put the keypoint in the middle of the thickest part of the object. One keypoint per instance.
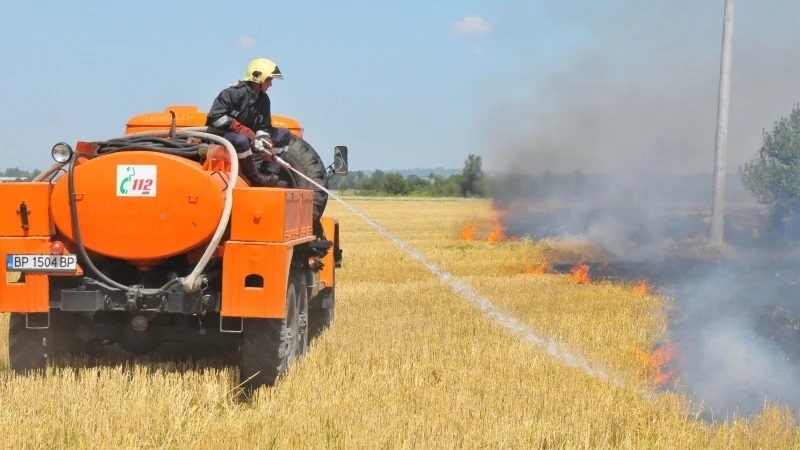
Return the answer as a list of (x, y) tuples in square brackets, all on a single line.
[(581, 272), (658, 364), (641, 287), (498, 231), (468, 232)]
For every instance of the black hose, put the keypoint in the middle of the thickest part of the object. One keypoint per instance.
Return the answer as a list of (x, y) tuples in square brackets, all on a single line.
[(73, 210), (172, 146)]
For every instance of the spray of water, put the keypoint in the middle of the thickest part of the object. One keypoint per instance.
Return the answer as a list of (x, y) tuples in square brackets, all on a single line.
[(484, 305)]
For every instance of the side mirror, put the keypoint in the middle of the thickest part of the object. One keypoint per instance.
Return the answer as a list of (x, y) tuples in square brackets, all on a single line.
[(340, 160)]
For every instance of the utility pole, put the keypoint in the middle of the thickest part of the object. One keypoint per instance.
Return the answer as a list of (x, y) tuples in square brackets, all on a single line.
[(721, 144)]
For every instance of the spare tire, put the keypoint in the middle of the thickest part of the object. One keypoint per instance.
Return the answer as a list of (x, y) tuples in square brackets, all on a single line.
[(302, 156)]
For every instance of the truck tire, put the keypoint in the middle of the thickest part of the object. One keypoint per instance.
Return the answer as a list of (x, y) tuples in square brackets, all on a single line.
[(29, 350), (270, 346), (321, 317)]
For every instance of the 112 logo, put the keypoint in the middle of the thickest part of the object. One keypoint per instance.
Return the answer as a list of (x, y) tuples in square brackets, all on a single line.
[(136, 180)]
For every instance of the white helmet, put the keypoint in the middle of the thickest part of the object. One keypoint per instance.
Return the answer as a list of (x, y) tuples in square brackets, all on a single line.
[(260, 69)]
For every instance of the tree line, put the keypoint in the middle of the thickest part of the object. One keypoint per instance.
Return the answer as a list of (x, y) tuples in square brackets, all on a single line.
[(471, 182), (19, 174)]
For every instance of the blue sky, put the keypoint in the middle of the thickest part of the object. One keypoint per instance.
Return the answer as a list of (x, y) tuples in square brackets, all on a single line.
[(403, 84)]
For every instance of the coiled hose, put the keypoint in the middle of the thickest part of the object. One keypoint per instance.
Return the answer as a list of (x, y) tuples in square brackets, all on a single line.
[(174, 146), (134, 141)]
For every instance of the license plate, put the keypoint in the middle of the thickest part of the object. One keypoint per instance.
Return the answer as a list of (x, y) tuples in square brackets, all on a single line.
[(42, 263)]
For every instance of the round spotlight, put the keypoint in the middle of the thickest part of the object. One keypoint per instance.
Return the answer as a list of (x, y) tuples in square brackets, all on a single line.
[(61, 152)]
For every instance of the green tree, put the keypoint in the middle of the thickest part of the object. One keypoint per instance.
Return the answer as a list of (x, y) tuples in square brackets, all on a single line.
[(366, 183), (773, 177), (343, 183), (447, 187), (417, 184), (378, 179), (395, 184), (472, 177)]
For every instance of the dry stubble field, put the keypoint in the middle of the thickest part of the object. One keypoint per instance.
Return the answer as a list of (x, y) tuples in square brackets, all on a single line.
[(408, 364)]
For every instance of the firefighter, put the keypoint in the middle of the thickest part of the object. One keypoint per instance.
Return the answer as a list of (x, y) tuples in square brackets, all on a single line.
[(242, 110)]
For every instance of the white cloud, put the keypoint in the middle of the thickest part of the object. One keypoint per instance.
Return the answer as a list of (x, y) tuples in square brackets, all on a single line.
[(245, 41), (471, 25)]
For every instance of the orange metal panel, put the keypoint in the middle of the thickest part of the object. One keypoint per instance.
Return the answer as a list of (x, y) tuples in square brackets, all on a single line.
[(191, 116), (217, 159), (295, 210), (287, 122), (272, 215), (327, 276), (306, 213), (271, 263), (36, 196), (30, 294)]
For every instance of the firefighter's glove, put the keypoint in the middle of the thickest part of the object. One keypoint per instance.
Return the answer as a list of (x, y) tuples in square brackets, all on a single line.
[(237, 127), (264, 153)]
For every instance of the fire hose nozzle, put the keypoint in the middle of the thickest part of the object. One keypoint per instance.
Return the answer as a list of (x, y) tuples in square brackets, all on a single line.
[(282, 162)]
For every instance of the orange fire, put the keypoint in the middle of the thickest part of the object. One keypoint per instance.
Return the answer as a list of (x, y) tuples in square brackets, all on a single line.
[(641, 288), (658, 364), (468, 232), (581, 272), (498, 231)]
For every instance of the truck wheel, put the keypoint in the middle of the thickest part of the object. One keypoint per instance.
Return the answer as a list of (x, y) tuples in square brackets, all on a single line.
[(302, 316), (321, 318), (62, 341), (270, 346), (27, 348)]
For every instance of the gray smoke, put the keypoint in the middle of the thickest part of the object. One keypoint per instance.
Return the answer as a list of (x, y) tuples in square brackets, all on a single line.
[(635, 114), (737, 339)]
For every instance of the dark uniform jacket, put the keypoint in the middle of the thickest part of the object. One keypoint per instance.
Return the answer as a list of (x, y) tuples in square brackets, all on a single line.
[(242, 103)]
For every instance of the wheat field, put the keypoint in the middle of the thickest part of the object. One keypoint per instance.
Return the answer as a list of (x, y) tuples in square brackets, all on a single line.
[(408, 364)]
